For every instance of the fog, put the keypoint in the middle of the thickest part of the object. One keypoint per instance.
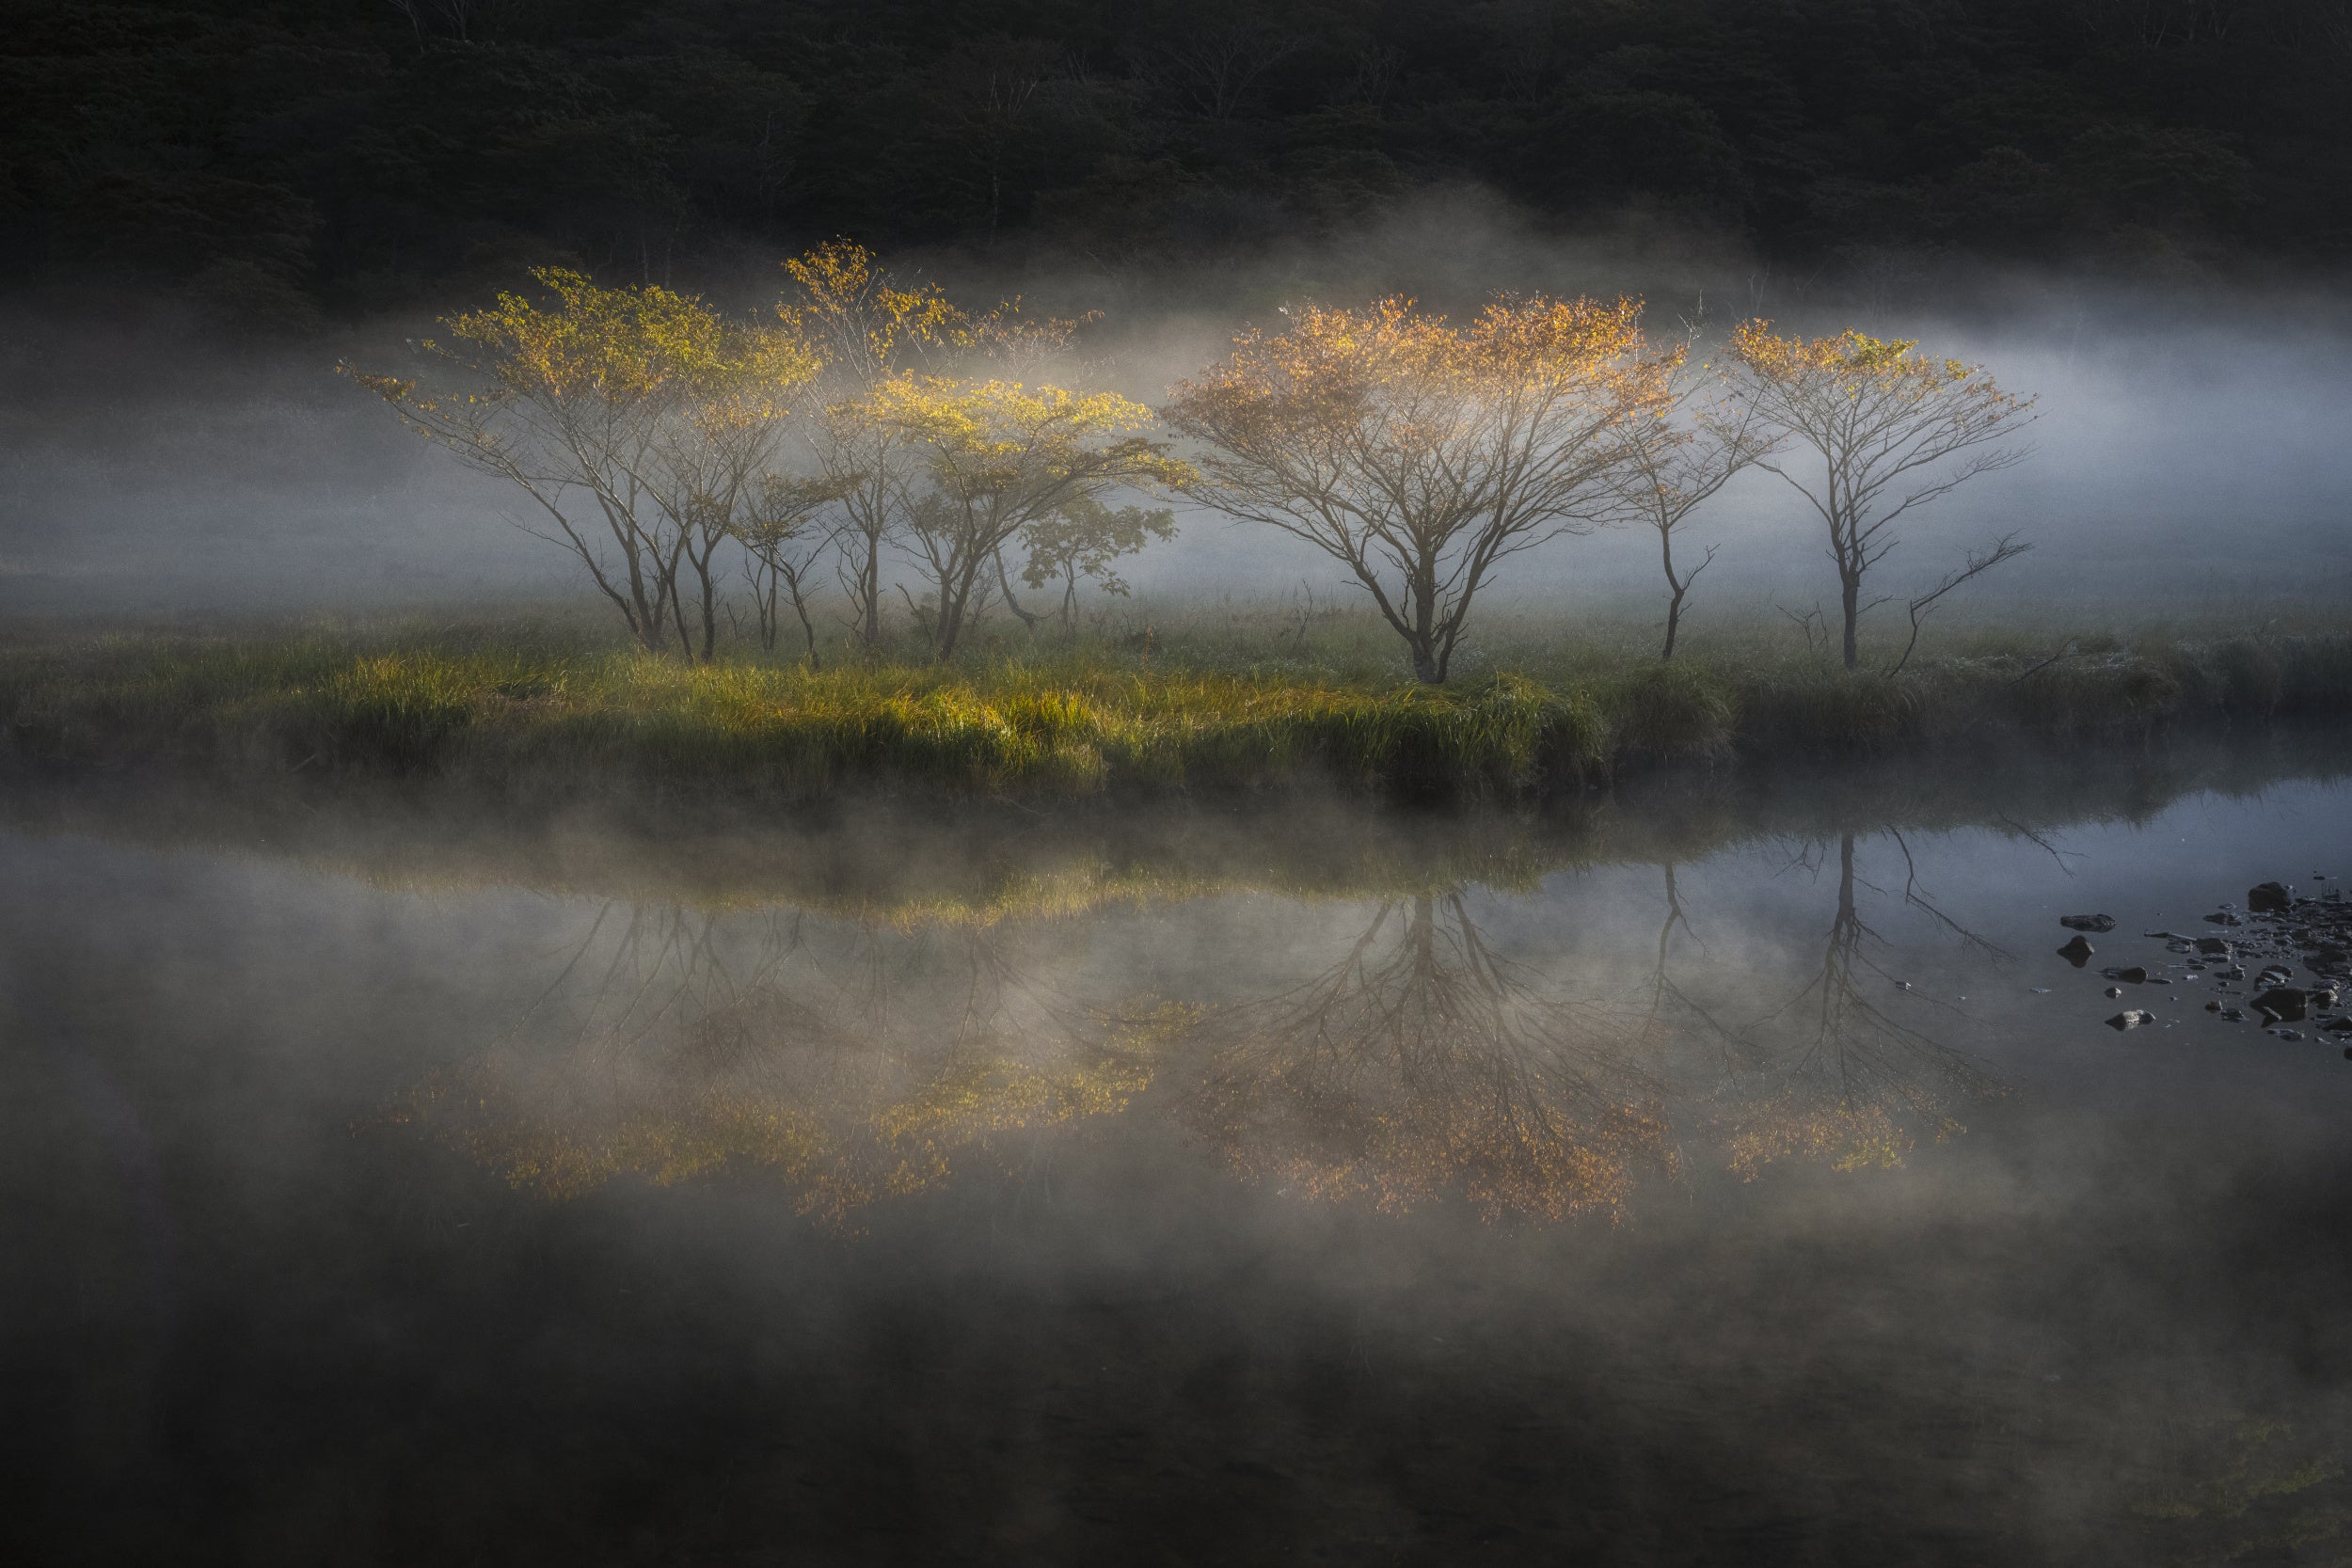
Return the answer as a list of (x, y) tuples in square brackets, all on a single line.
[(381, 1182), (2189, 446)]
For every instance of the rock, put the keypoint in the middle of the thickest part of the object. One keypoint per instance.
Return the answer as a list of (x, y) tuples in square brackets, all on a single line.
[(2235, 971), (2114, 991), (2133, 976), (2102, 923), (2283, 1004), (2076, 952), (2274, 974), (2322, 996), (2220, 945), (2337, 1026), (2212, 1006), (2286, 1034), (2232, 1015), (2267, 895), (2131, 1018), (2224, 918)]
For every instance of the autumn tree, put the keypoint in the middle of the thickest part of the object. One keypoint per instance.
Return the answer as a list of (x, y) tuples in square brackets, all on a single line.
[(1085, 539), (1420, 454), (716, 471), (1885, 430), (1677, 457), (784, 539), (998, 457), (870, 331), (573, 400)]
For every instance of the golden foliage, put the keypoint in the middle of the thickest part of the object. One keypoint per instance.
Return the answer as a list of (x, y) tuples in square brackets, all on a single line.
[(1420, 454)]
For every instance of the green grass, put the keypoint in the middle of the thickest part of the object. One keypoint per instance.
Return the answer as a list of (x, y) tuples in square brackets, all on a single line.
[(552, 707)]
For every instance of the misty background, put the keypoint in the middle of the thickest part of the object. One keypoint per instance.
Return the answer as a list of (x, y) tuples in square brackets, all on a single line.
[(2190, 450), (2136, 210)]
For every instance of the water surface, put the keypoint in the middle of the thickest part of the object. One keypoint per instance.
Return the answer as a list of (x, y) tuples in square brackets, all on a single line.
[(1767, 1195)]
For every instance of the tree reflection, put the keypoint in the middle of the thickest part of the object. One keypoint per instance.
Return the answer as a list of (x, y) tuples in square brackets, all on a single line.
[(1422, 1064), (848, 1062), (1830, 1075)]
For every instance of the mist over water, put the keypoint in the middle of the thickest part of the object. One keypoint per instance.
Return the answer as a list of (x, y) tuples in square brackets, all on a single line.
[(1714, 1166), (1405, 1190)]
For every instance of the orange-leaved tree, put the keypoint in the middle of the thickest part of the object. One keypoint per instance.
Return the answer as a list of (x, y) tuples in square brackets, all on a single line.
[(1885, 430), (1419, 453), (998, 457)]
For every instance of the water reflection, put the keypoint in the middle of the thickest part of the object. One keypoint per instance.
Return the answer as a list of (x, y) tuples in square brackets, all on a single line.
[(847, 1061), (1394, 1212), (1830, 1073), (1413, 1063), (1421, 1064)]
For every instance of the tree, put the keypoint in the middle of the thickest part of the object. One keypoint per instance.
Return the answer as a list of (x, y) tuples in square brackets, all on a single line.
[(1675, 465), (579, 395), (1082, 540), (997, 457), (784, 542), (866, 329), (1893, 431), (715, 469), (1422, 456)]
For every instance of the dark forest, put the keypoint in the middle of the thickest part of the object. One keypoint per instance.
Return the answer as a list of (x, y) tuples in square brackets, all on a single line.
[(279, 160)]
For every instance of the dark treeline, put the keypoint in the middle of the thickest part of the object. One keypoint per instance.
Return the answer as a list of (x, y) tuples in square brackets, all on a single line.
[(277, 157)]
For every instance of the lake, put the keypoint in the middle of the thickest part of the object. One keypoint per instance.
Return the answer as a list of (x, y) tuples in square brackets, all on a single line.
[(1686, 1177)]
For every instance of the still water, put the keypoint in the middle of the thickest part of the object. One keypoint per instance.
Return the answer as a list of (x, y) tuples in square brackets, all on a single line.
[(1367, 1189)]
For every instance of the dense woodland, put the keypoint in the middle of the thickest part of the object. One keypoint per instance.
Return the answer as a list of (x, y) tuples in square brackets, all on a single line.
[(276, 159)]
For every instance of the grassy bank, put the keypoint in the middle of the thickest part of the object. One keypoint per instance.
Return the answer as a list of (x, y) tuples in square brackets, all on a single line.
[(540, 714)]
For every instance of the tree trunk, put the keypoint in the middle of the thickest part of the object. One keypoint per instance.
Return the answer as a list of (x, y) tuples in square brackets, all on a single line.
[(1673, 605), (807, 629), (869, 597), (1851, 589)]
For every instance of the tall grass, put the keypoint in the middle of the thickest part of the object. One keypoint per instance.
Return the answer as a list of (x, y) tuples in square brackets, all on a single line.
[(561, 713)]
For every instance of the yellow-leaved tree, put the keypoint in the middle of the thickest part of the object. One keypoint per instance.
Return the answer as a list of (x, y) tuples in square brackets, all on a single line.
[(998, 457), (639, 423), (870, 331), (1419, 453), (1885, 430)]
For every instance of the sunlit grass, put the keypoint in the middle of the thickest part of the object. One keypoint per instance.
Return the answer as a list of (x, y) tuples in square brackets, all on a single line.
[(1256, 702)]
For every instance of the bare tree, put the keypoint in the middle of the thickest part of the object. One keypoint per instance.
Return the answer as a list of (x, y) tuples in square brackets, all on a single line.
[(2004, 548), (1893, 430), (1677, 460), (1422, 456), (1215, 71)]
